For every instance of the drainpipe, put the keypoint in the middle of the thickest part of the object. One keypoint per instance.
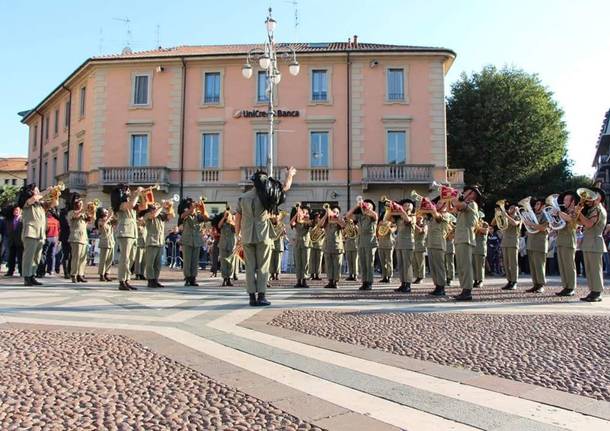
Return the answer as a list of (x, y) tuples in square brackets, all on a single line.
[(40, 156), (182, 120), (349, 130), (69, 130)]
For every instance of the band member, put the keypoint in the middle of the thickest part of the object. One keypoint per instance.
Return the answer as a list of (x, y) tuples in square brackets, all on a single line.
[(593, 217), (33, 218), (467, 215), (537, 247), (450, 251), (333, 225), (351, 253), (364, 214), (139, 259), (278, 246), (155, 218), (566, 243), (385, 249), (316, 251), (104, 222), (420, 236), (78, 218), (253, 230), (404, 244), (191, 215), (510, 243), (226, 245), (438, 227), (300, 222), (123, 205), (480, 251)]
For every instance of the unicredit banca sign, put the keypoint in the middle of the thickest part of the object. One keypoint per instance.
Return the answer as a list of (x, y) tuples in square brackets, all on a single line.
[(257, 113)]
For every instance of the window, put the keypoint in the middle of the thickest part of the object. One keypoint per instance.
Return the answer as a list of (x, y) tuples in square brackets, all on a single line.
[(14, 181), (261, 92), (79, 157), (45, 173), (66, 161), (210, 150), (54, 168), (260, 152), (33, 174), (139, 150), (6, 181), (319, 85), (397, 147), (35, 140), (319, 150), (46, 128), (83, 95), (396, 85), (141, 90), (67, 115), (212, 88), (56, 123)]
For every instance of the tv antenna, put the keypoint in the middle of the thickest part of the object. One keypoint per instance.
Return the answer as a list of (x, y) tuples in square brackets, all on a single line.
[(158, 31), (127, 23), (294, 3), (101, 45)]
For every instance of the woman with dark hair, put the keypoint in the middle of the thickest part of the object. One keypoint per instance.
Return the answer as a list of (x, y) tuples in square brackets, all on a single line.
[(33, 233), (300, 222), (123, 205), (333, 225), (105, 223), (191, 214), (78, 219), (366, 217), (404, 244)]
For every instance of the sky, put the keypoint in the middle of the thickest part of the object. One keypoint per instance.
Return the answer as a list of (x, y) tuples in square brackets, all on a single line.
[(565, 42)]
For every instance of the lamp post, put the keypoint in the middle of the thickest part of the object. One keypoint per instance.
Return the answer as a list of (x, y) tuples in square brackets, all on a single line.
[(268, 58)]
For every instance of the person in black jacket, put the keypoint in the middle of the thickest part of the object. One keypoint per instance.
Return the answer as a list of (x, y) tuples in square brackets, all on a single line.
[(13, 243), (64, 235)]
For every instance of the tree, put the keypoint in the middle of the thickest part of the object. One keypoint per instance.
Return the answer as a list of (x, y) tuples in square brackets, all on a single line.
[(506, 130), (8, 195)]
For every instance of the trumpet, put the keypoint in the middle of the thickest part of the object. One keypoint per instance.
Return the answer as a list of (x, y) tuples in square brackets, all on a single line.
[(53, 193), (168, 204), (157, 186), (423, 205), (92, 207), (446, 192)]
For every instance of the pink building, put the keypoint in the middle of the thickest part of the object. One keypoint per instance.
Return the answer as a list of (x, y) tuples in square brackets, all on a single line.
[(359, 119)]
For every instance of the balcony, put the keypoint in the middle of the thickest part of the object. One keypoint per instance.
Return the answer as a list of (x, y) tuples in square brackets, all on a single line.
[(319, 175), (74, 181), (455, 176), (396, 174), (279, 173), (210, 175), (141, 176)]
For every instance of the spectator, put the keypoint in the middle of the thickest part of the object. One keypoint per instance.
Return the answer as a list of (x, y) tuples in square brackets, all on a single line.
[(607, 253), (524, 265), (52, 240), (493, 251), (14, 243), (64, 235), (551, 256), (172, 241), (579, 258)]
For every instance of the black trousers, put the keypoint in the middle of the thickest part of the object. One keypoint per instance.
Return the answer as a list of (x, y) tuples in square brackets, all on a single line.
[(15, 252), (66, 257)]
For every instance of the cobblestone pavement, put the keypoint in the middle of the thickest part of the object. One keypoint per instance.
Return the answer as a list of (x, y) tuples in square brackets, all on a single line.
[(567, 353), (83, 381)]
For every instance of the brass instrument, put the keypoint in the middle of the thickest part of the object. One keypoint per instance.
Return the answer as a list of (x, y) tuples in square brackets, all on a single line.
[(52, 194), (168, 205), (279, 228), (200, 206), (385, 225), (92, 207), (317, 233), (527, 214), (446, 192), (350, 231), (500, 215), (147, 197), (423, 205), (551, 212), (586, 195), (238, 253), (230, 218), (449, 231)]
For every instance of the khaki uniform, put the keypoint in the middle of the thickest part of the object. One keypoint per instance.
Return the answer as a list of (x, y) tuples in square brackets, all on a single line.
[(315, 257), (106, 245), (436, 248), (191, 244), (593, 249), (140, 257), (78, 243), (450, 259), (367, 244), (256, 237), (537, 247), (566, 254), (478, 257), (385, 251), (155, 240), (33, 235), (333, 251), (351, 254), (465, 242), (276, 256), (419, 253), (404, 250), (302, 247), (127, 231), (226, 245), (510, 251)]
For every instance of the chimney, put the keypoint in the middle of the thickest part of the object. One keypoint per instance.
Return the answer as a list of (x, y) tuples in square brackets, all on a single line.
[(349, 42), (355, 40)]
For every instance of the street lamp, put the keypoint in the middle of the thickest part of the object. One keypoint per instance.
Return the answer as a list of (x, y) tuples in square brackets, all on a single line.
[(268, 61)]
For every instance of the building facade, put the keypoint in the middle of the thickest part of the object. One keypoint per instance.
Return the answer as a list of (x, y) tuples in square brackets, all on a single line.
[(13, 171), (601, 162), (359, 119)]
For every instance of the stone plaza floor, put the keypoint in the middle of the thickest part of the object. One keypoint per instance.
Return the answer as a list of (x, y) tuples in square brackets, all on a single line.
[(87, 357)]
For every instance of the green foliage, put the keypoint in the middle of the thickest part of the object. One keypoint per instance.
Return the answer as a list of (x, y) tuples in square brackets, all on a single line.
[(8, 195), (507, 131)]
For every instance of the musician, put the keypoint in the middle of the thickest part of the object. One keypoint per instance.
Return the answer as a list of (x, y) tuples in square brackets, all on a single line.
[(316, 250), (438, 226), (593, 217), (124, 203), (155, 218), (467, 207), (566, 243), (226, 245), (537, 247), (364, 214), (510, 245), (333, 225), (301, 223), (104, 222), (139, 262), (420, 235), (385, 249), (191, 215), (479, 253), (278, 246), (33, 220), (351, 255), (450, 252), (405, 223), (78, 218), (253, 230)]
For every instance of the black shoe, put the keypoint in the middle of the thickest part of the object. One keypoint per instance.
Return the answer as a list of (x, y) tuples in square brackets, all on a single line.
[(81, 279), (253, 301), (229, 284), (362, 287), (150, 283), (368, 286), (304, 285), (262, 301), (417, 280), (510, 286), (129, 286), (350, 278), (592, 297), (194, 282), (401, 288), (8, 274), (465, 295), (157, 284), (298, 284), (235, 278), (438, 291), (74, 279), (27, 281), (102, 278), (537, 288), (407, 288), (224, 282), (328, 285), (384, 280), (107, 278), (35, 282), (123, 286), (565, 292)]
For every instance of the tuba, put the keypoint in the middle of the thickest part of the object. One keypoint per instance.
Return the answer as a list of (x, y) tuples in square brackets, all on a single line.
[(551, 213), (385, 226), (500, 215), (317, 232), (527, 214), (350, 231)]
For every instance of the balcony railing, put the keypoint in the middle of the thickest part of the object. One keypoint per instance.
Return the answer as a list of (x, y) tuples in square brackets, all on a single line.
[(76, 180), (396, 174), (135, 176), (279, 173), (318, 175), (210, 175), (455, 176)]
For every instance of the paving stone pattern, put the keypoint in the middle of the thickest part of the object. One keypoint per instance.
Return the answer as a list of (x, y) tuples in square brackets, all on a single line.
[(56, 380), (569, 353)]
